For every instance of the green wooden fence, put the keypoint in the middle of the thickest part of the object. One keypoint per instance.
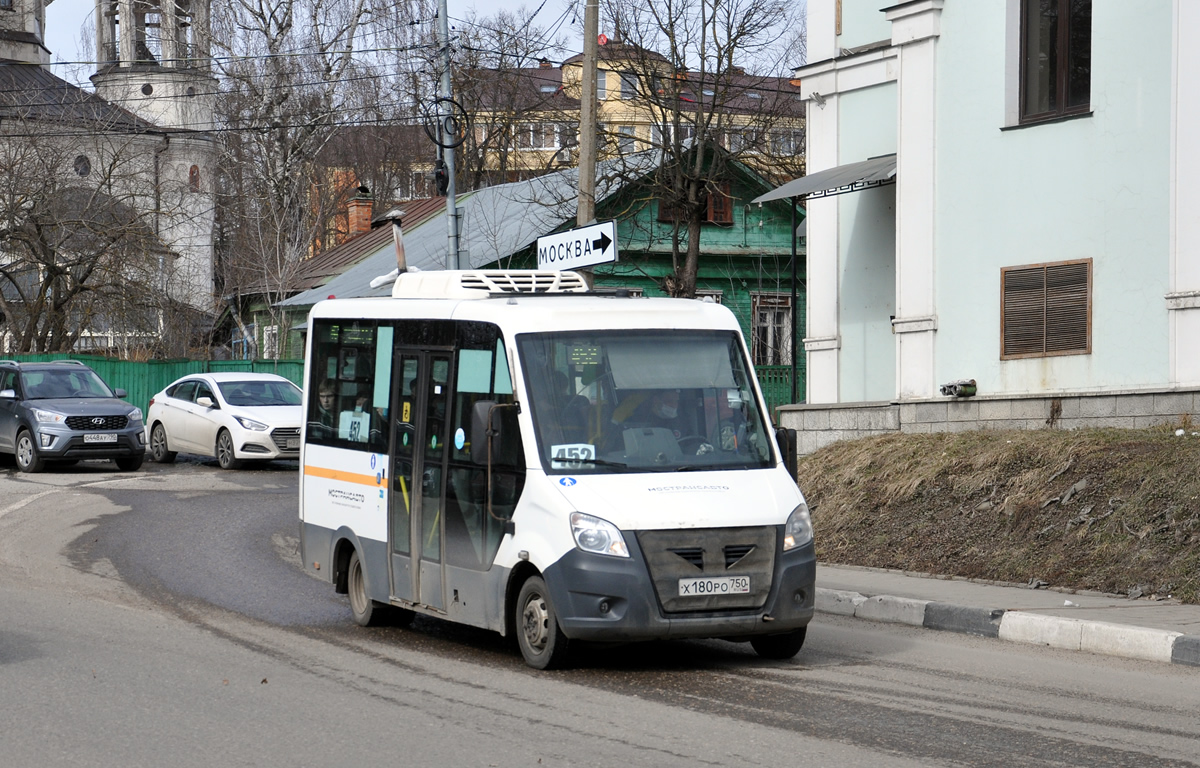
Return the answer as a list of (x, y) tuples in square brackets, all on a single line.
[(776, 383), (143, 380)]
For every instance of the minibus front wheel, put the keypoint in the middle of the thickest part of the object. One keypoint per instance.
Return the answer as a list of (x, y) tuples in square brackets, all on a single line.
[(542, 641), (780, 647)]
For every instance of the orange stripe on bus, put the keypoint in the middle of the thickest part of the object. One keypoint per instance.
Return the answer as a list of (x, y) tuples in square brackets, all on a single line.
[(345, 477)]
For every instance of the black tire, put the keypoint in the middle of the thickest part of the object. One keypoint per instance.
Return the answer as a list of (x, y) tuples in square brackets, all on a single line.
[(779, 647), (367, 613), (224, 451), (27, 453), (541, 639), (158, 446), (130, 463)]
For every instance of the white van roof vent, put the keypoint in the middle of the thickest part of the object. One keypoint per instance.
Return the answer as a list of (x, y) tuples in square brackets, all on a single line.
[(480, 284)]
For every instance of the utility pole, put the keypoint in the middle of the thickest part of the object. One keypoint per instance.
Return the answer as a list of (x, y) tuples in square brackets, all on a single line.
[(585, 212), (446, 128)]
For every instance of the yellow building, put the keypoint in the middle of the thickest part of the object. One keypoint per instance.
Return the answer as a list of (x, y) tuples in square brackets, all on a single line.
[(526, 121)]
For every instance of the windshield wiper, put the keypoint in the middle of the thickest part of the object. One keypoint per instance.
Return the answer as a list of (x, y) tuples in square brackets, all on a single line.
[(594, 462)]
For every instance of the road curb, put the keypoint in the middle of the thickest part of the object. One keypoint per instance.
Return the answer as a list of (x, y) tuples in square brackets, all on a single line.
[(1017, 626)]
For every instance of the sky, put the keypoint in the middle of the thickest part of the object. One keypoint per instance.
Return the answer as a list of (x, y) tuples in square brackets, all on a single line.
[(65, 18)]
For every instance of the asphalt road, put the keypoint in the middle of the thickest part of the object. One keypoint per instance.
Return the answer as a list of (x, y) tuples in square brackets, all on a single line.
[(161, 618)]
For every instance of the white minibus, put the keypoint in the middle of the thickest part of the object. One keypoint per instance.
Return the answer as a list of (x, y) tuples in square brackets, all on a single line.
[(514, 451)]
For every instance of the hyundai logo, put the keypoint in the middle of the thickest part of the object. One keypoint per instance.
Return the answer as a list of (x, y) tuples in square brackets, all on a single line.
[(98, 421)]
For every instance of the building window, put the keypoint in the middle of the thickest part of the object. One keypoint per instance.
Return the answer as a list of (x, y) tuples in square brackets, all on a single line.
[(709, 294), (537, 136), (1056, 58), (601, 93), (720, 204), (568, 134), (629, 89), (771, 336), (83, 166), (1046, 309), (625, 139), (194, 178), (786, 143), (270, 342)]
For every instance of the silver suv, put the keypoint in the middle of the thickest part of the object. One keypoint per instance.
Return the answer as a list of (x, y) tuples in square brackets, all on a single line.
[(63, 412)]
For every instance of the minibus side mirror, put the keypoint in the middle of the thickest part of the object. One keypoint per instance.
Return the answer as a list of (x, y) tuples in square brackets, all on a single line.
[(497, 423), (788, 445)]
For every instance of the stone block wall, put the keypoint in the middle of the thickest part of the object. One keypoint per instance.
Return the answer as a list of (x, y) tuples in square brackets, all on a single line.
[(820, 425)]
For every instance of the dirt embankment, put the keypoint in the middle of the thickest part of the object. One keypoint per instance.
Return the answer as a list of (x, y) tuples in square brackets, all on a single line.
[(1109, 510)]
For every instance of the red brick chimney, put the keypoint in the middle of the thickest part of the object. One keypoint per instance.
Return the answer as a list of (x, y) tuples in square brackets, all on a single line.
[(359, 212)]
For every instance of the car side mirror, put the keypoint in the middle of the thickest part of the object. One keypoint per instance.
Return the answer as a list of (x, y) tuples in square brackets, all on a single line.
[(8, 394), (205, 402), (120, 392)]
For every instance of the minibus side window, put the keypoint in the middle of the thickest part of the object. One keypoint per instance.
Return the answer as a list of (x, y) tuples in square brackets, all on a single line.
[(349, 375), (473, 533)]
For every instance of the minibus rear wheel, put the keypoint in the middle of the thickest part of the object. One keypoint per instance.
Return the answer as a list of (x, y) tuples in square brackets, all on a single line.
[(779, 647), (542, 641), (366, 612)]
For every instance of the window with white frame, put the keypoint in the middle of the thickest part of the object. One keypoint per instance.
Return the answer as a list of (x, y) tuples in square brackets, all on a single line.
[(270, 342), (537, 136), (626, 139), (786, 142), (771, 336), (629, 86)]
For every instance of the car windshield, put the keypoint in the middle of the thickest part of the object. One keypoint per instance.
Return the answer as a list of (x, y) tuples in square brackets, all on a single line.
[(643, 401), (73, 381), (257, 392)]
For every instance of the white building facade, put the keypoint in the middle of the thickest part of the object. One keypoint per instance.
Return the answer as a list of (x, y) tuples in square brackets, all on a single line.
[(1040, 236), (144, 135)]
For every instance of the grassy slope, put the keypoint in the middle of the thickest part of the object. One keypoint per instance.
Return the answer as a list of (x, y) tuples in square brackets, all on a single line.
[(1108, 510)]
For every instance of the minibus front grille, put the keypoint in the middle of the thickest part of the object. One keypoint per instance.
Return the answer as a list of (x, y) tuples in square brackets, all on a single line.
[(710, 553), (693, 555), (735, 552)]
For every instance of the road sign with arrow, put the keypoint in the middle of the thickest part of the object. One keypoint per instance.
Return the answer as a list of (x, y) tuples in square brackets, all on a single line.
[(581, 247)]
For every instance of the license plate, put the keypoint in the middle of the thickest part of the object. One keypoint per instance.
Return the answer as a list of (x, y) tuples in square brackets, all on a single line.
[(101, 437), (720, 585), (292, 444)]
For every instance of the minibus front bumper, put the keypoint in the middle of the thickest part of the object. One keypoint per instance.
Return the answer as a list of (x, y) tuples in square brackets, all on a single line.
[(614, 599)]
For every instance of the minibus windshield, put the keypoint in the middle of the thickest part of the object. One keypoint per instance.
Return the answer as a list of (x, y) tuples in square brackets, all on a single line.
[(643, 401)]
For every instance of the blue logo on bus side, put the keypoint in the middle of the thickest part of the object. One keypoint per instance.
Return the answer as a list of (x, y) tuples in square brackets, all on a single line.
[(566, 481)]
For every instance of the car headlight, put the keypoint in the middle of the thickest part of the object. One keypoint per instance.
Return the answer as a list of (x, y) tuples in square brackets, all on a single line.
[(599, 536), (135, 414), (49, 417), (251, 424), (797, 531)]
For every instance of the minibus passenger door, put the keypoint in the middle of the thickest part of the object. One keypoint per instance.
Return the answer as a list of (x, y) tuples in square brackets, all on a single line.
[(421, 393), (404, 428)]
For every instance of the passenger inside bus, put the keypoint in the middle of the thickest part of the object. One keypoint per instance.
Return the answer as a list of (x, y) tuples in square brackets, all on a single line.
[(323, 426)]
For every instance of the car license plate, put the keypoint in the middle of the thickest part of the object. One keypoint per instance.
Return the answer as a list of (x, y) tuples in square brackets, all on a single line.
[(292, 444), (720, 585), (100, 437)]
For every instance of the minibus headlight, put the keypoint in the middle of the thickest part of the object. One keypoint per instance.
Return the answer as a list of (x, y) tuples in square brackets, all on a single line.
[(599, 536), (798, 530)]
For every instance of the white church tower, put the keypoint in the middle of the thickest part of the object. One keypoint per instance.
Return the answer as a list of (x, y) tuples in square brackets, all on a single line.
[(154, 59)]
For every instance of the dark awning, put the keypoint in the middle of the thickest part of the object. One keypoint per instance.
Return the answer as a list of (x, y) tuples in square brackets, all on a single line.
[(875, 172)]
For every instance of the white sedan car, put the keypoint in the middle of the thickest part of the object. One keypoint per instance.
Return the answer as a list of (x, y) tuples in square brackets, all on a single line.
[(232, 416)]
